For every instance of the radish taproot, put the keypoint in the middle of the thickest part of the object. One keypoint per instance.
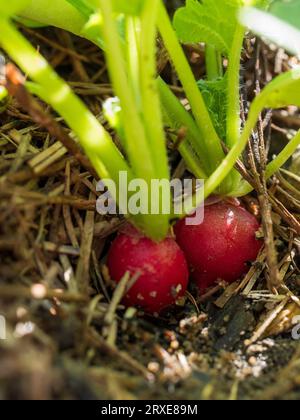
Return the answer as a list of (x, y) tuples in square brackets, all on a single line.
[(161, 269), (220, 247)]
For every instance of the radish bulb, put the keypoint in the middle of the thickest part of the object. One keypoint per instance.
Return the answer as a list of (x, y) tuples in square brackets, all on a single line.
[(162, 269), (222, 247)]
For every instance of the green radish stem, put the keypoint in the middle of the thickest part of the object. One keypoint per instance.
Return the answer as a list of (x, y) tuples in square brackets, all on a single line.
[(233, 120), (213, 63), (57, 13), (284, 156), (144, 136), (94, 139), (133, 126), (178, 117), (147, 155), (233, 90), (150, 98), (97, 143), (228, 163), (204, 126), (132, 55), (209, 136), (207, 131)]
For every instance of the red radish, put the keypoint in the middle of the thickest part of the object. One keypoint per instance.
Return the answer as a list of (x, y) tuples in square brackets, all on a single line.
[(162, 266), (221, 246)]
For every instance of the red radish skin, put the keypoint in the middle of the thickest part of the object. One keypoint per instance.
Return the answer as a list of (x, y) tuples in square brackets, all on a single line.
[(162, 266), (221, 247)]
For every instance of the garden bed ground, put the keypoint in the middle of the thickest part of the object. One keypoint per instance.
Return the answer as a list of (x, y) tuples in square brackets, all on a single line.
[(66, 338)]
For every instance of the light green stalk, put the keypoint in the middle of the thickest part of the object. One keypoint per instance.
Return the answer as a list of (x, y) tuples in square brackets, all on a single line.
[(57, 13), (177, 118), (233, 90), (143, 128), (97, 143), (233, 120), (228, 163), (152, 114), (132, 55), (209, 136), (212, 154), (213, 63), (136, 140), (94, 139)]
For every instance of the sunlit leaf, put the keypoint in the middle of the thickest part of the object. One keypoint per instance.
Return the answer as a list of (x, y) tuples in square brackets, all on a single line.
[(131, 7), (287, 10), (280, 25), (214, 94), (11, 7), (211, 21), (88, 7)]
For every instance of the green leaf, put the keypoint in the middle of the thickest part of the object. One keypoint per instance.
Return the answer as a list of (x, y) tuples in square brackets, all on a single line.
[(214, 94), (29, 23), (212, 22), (131, 7), (85, 7), (11, 7), (88, 7), (262, 4), (92, 29), (59, 13), (287, 10), (280, 25)]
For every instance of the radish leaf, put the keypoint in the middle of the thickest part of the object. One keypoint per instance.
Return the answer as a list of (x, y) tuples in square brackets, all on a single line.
[(133, 7), (288, 11), (87, 7), (214, 94), (212, 22), (9, 8), (280, 25), (83, 6)]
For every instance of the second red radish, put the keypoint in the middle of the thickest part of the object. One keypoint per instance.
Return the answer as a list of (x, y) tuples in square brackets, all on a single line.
[(222, 246)]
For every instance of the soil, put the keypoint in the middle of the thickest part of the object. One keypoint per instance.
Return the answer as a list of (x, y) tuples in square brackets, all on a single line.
[(234, 343)]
